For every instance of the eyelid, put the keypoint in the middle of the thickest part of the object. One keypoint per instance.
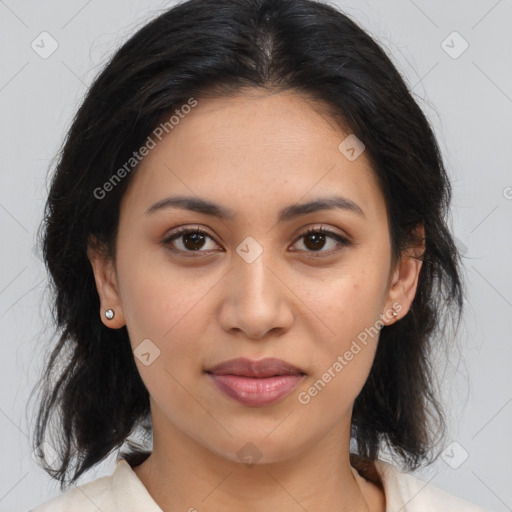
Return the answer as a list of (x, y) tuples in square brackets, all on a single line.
[(322, 228)]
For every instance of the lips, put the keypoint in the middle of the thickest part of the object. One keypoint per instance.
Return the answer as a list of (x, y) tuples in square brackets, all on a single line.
[(256, 383), (268, 367)]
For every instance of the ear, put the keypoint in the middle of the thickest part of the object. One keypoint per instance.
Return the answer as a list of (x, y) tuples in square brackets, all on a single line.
[(106, 284), (404, 280)]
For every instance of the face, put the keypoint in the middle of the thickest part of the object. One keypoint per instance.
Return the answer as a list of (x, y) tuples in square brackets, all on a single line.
[(254, 285)]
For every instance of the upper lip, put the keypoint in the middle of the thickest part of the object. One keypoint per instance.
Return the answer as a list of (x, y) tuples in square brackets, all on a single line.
[(267, 367)]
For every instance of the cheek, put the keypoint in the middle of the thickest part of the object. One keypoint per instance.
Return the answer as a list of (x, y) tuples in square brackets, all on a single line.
[(160, 301), (163, 318), (348, 300), (344, 355), (350, 305)]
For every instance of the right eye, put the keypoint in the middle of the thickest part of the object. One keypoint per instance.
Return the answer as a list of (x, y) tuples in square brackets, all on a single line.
[(190, 241)]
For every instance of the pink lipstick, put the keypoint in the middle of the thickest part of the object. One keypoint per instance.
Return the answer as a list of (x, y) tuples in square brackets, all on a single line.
[(256, 383)]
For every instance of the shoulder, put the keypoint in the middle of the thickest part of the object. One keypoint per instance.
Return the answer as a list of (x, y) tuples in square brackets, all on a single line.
[(407, 493), (122, 490), (91, 496)]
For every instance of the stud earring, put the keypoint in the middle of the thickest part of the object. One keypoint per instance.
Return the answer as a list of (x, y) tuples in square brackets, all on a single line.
[(395, 314), (109, 313)]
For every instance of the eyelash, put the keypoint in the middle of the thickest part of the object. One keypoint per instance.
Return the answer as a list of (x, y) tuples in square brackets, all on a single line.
[(342, 241)]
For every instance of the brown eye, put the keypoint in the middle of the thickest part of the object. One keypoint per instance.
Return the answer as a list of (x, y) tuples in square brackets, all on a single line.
[(315, 240), (187, 240), (193, 241)]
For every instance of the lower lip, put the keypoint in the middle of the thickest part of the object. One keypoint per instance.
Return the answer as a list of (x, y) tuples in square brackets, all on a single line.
[(256, 392)]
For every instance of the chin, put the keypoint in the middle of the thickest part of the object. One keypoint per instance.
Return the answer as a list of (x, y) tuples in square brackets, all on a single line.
[(259, 449)]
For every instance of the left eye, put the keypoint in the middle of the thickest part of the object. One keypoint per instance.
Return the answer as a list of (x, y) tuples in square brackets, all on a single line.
[(317, 236), (192, 240)]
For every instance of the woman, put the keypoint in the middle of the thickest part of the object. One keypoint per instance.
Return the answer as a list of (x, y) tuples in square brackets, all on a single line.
[(247, 238)]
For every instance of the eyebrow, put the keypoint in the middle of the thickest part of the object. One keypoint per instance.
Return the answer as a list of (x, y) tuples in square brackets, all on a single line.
[(206, 207)]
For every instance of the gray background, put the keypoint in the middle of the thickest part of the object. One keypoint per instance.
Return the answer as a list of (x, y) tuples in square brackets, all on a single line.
[(468, 98)]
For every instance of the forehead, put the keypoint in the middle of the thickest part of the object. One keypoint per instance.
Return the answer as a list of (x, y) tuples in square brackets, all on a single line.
[(273, 149)]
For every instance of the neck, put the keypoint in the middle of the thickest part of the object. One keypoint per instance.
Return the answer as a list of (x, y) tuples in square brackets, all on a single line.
[(182, 474)]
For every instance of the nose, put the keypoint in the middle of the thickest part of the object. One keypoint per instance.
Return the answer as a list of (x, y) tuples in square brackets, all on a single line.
[(257, 300)]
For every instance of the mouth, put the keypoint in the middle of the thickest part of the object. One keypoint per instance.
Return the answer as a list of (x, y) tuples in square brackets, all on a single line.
[(256, 383)]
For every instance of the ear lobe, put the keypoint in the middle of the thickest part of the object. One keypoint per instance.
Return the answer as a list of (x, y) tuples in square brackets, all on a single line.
[(405, 278), (106, 285)]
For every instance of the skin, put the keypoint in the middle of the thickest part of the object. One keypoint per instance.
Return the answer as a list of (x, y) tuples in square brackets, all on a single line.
[(254, 153)]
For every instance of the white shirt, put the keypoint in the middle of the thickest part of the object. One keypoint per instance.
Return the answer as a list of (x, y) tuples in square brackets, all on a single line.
[(123, 491)]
